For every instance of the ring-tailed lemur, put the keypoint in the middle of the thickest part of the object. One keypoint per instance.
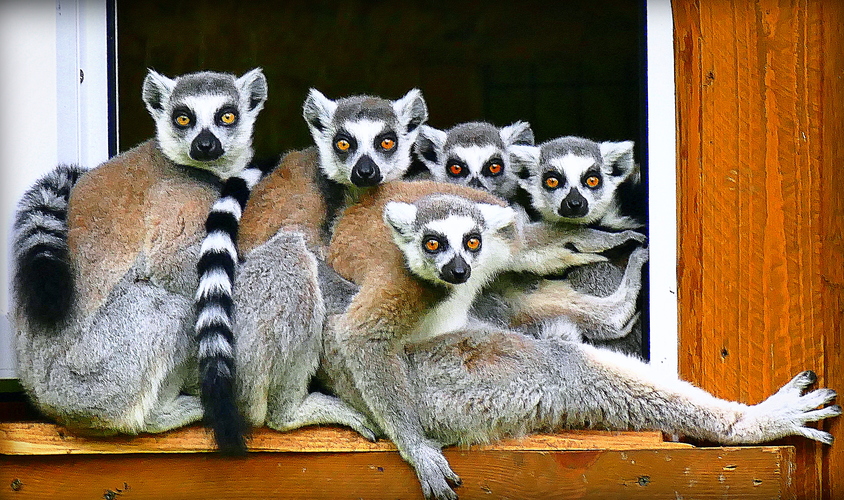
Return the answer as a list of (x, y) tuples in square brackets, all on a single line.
[(360, 142), (475, 154), (458, 243), (418, 271), (122, 357), (577, 181)]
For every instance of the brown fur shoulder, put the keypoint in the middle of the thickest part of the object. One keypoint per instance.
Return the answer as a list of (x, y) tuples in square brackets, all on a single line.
[(138, 201), (288, 196)]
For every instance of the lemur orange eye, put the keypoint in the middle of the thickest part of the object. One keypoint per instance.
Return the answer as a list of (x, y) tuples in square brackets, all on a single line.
[(343, 145), (183, 120), (432, 245), (495, 168), (455, 169), (552, 182), (388, 144), (473, 244), (228, 118), (593, 181)]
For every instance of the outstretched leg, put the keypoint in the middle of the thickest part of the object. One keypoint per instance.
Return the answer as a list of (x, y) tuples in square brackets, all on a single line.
[(487, 383)]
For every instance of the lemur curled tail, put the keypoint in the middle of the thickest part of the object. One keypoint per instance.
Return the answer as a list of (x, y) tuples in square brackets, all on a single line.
[(218, 259), (123, 358), (43, 278)]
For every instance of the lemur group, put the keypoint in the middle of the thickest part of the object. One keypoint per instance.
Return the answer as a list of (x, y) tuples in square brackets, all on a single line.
[(182, 281)]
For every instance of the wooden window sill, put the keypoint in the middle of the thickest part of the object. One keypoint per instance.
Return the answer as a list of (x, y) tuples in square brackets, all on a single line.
[(39, 460)]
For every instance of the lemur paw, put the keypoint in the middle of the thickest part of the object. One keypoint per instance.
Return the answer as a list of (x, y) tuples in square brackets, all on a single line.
[(637, 258), (635, 236), (787, 412), (434, 472)]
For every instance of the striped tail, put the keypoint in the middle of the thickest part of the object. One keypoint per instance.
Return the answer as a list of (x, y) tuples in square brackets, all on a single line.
[(43, 278), (214, 304)]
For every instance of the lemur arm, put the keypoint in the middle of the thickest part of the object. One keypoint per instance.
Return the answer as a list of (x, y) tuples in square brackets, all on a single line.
[(547, 248), (378, 368)]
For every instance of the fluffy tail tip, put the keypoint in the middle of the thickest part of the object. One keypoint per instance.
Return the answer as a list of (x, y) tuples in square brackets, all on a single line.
[(223, 417)]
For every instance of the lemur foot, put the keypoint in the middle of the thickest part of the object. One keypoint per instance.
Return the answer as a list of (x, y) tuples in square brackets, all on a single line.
[(787, 412), (434, 472)]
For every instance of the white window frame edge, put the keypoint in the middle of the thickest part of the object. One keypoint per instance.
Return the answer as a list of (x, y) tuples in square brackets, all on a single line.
[(662, 187), (78, 41), (82, 81)]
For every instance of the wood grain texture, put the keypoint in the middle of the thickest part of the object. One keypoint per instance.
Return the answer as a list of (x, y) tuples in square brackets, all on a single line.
[(759, 113), (49, 439), (745, 473)]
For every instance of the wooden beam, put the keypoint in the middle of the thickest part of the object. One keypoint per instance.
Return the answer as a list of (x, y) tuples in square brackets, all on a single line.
[(741, 473), (760, 100)]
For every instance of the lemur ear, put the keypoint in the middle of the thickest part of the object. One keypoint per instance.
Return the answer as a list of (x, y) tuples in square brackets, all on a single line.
[(518, 133), (254, 85), (429, 146), (497, 217), (318, 111), (411, 110), (400, 217), (524, 161), (618, 158), (156, 89)]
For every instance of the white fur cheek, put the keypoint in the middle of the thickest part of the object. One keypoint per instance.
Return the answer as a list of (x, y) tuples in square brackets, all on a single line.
[(541, 202), (175, 148), (398, 164), (327, 162), (495, 256)]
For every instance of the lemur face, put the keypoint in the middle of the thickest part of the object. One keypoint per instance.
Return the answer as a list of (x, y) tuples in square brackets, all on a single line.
[(574, 180), (362, 140), (474, 154), (205, 120), (449, 240)]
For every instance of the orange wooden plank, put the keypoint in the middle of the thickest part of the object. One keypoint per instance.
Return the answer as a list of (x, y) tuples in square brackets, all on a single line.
[(741, 473), (48, 439)]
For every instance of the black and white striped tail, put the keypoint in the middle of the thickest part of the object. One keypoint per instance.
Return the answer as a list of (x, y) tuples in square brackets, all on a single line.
[(43, 278), (214, 304)]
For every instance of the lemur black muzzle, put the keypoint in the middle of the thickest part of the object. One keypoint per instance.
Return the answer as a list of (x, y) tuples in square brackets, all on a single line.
[(457, 271), (573, 205), (206, 147), (365, 173)]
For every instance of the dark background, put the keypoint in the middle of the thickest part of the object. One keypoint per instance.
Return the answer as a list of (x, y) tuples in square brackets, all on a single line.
[(568, 68)]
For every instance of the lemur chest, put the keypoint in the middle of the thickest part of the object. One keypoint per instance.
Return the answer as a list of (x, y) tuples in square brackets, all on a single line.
[(446, 316)]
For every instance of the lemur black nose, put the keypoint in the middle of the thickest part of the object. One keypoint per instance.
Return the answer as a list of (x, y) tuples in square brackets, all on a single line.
[(573, 205), (365, 173), (206, 147), (457, 271), (475, 183)]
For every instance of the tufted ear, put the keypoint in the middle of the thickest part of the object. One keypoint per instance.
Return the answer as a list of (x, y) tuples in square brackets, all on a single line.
[(155, 92), (497, 217), (411, 110), (618, 158), (429, 146), (401, 218), (517, 133), (254, 85), (318, 111), (524, 161)]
